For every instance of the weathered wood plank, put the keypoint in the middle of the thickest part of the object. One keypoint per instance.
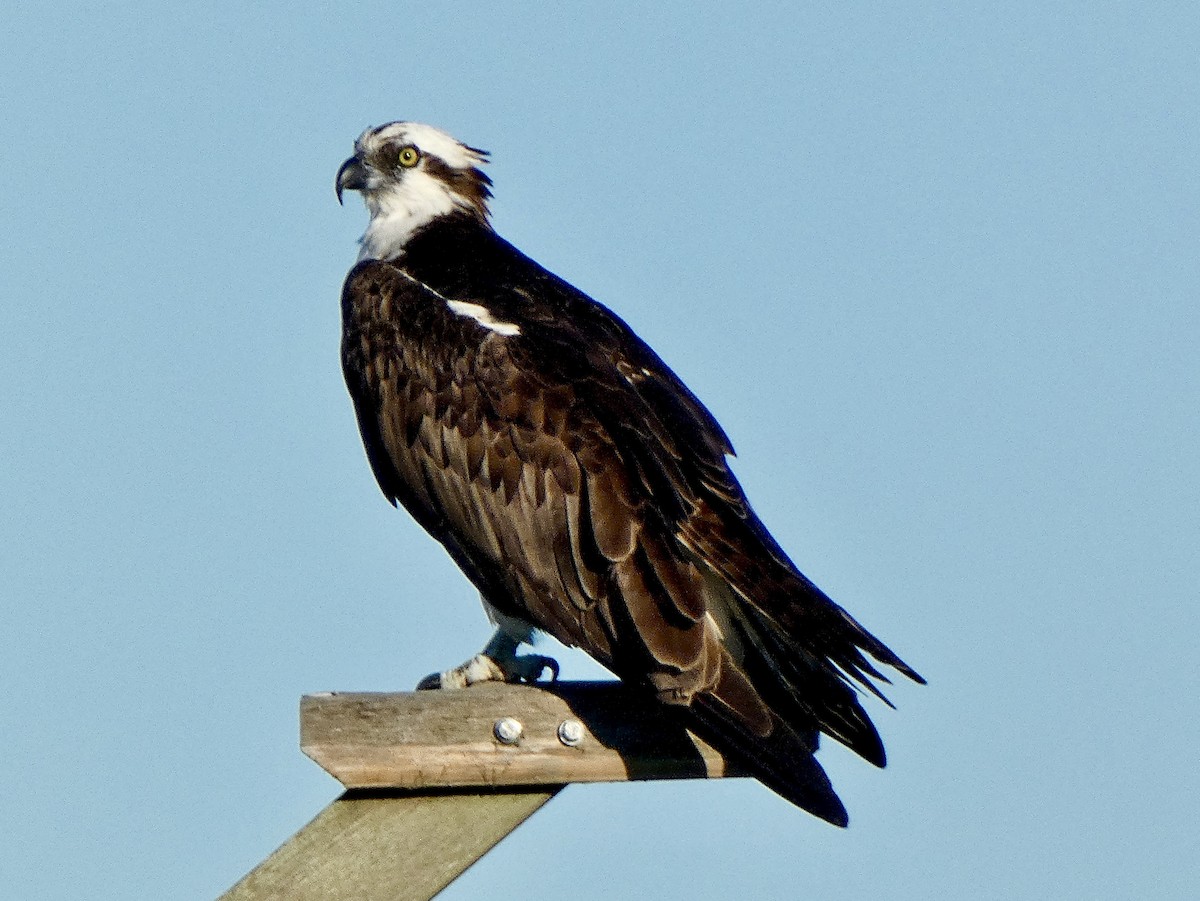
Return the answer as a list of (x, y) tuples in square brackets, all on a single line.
[(447, 738), (372, 846)]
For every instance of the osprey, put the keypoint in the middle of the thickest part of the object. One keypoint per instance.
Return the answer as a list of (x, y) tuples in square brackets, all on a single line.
[(578, 483)]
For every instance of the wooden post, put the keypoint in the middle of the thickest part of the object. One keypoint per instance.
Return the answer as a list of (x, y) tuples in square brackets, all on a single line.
[(388, 847), (436, 779)]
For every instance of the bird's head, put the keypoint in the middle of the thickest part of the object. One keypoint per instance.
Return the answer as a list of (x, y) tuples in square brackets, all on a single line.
[(410, 174)]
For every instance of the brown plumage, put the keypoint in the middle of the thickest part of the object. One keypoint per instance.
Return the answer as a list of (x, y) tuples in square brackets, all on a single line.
[(585, 490)]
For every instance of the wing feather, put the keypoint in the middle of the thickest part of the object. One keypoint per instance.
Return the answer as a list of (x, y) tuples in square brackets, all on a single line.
[(582, 487)]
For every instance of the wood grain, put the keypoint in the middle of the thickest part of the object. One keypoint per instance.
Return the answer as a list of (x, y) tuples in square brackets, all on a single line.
[(445, 739), (388, 847)]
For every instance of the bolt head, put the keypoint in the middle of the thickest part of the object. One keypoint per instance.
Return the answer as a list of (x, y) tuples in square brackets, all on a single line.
[(508, 730), (570, 732)]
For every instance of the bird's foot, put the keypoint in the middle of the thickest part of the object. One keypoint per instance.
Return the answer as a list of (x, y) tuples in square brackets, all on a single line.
[(484, 667), (497, 662)]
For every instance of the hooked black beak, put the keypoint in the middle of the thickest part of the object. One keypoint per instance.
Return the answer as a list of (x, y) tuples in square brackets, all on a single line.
[(352, 176)]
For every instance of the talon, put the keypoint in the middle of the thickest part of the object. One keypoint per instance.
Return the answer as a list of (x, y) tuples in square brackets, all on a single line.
[(480, 668), (431, 682), (497, 662), (543, 664), (526, 668)]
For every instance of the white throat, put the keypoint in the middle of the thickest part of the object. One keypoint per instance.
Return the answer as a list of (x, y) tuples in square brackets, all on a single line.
[(400, 211)]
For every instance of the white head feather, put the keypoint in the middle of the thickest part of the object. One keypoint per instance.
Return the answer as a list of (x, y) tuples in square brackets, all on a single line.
[(401, 200)]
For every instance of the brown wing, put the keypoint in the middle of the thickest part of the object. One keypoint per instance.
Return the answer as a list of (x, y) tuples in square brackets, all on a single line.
[(508, 467), (581, 487)]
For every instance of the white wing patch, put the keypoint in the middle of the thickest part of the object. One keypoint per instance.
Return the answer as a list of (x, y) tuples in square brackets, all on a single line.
[(478, 312), (483, 316)]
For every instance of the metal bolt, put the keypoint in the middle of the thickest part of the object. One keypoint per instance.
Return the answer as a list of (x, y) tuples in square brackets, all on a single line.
[(570, 732), (508, 731)]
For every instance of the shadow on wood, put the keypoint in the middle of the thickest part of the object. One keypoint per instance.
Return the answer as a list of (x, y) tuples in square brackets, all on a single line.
[(448, 738), (436, 779)]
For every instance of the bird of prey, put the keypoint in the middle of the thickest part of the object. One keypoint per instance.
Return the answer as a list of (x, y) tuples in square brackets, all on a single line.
[(578, 483)]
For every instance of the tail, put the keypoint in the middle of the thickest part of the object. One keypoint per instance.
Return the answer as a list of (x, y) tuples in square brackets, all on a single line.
[(779, 690), (782, 760)]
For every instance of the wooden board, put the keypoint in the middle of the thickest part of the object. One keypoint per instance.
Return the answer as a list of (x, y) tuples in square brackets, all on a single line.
[(372, 846), (445, 739)]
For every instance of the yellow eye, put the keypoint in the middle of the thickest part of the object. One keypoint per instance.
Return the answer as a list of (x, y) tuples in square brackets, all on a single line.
[(409, 157)]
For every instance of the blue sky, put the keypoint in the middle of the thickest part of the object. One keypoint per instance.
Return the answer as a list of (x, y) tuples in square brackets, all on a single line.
[(933, 267)]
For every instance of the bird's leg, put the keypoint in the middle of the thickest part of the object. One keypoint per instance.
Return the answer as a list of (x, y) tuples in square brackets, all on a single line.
[(497, 662)]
